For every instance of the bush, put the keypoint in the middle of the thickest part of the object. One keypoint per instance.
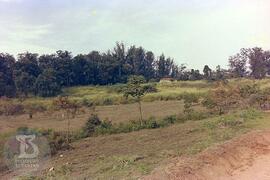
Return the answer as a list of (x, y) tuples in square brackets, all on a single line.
[(192, 116), (170, 119), (150, 88), (151, 123), (189, 100), (9, 108), (230, 122), (92, 123), (222, 98), (57, 141), (87, 102), (108, 101), (247, 90)]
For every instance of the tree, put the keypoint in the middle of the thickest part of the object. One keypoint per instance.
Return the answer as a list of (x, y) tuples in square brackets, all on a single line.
[(267, 59), (222, 98), (24, 83), (220, 74), (258, 62), (119, 57), (257, 58), (7, 84), (46, 84), (70, 107), (111, 67), (149, 71), (135, 89), (28, 63), (238, 64), (64, 73), (207, 72), (194, 75)]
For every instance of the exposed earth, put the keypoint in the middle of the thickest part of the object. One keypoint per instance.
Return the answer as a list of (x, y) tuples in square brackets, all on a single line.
[(244, 158)]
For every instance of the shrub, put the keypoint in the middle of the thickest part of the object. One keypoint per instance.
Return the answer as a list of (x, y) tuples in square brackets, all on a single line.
[(189, 100), (108, 101), (57, 141), (151, 123), (170, 119), (150, 88), (247, 90), (8, 108), (92, 123), (31, 109), (222, 98), (87, 102), (118, 88), (230, 122)]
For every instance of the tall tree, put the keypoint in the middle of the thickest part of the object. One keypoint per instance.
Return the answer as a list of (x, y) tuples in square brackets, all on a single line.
[(238, 64), (28, 63), (258, 62), (119, 55), (149, 71), (24, 83), (46, 84), (220, 74), (63, 68), (7, 85), (207, 71)]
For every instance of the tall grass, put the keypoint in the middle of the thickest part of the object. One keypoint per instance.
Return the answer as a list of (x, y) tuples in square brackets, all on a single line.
[(112, 95)]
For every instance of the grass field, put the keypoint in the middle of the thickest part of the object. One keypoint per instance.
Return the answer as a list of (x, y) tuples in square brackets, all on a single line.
[(110, 95), (113, 113), (132, 155)]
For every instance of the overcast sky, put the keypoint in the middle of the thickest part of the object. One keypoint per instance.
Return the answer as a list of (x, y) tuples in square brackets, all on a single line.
[(196, 32)]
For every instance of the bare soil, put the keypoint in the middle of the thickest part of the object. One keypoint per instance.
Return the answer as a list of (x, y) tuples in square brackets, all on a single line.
[(244, 158), (113, 113)]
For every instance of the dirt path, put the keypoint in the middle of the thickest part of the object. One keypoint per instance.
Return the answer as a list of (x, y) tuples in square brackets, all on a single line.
[(244, 158), (260, 170)]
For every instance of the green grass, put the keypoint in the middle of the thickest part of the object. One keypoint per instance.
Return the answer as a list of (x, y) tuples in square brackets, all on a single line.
[(122, 152), (109, 95), (132, 155)]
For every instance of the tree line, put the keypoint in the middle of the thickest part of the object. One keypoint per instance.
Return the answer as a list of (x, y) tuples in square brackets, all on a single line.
[(45, 75)]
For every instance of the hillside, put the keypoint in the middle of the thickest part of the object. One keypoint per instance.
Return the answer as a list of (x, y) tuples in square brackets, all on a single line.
[(118, 152)]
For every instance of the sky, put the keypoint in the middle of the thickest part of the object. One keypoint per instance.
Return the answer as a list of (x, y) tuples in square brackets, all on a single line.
[(195, 32)]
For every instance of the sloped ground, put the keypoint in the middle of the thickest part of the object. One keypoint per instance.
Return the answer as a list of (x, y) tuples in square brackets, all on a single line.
[(136, 154), (244, 158)]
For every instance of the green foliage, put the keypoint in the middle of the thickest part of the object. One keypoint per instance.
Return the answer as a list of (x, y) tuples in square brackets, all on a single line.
[(24, 83), (247, 90), (7, 84), (170, 119), (46, 84), (134, 87), (107, 127), (233, 120), (57, 140), (150, 88), (189, 100), (87, 102), (92, 123), (222, 98)]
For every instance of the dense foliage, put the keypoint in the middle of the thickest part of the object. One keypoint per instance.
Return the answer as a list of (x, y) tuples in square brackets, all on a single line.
[(45, 75)]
